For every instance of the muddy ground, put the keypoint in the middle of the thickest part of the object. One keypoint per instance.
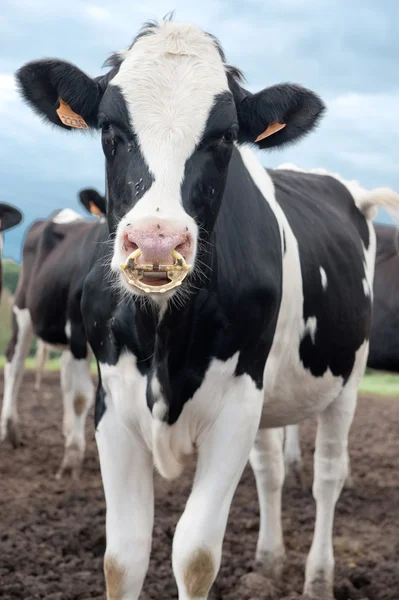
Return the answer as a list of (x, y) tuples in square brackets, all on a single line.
[(52, 533)]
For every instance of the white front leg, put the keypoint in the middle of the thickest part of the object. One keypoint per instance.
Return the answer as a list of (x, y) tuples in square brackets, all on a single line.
[(123, 439), (223, 450), (127, 474)]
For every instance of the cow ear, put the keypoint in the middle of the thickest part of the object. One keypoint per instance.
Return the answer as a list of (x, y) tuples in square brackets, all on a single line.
[(278, 115), (93, 202), (9, 216), (61, 93)]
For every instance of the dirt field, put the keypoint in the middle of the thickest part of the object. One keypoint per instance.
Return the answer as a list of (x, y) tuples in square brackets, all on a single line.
[(52, 533)]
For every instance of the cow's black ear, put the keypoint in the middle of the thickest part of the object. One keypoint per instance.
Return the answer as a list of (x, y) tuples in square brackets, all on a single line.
[(93, 202), (278, 115), (61, 93), (9, 216)]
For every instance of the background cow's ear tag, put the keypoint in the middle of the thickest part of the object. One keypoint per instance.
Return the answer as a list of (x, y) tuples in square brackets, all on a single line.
[(94, 209), (272, 128), (70, 118)]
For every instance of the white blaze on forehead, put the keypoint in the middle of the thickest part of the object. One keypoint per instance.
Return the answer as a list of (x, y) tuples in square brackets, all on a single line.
[(169, 80)]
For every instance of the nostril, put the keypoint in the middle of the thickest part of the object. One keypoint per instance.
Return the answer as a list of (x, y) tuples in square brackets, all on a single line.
[(184, 247), (128, 245)]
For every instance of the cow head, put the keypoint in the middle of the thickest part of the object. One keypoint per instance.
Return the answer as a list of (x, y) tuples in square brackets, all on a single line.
[(93, 202), (9, 216), (170, 111)]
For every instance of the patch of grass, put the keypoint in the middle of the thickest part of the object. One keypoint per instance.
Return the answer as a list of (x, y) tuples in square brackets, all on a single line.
[(380, 383), (53, 364)]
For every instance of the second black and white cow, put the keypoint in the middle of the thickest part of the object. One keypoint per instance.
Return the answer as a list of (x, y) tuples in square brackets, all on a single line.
[(242, 305), (56, 257), (384, 340), (9, 217)]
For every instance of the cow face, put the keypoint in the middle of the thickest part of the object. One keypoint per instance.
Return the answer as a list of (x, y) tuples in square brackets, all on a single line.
[(9, 217), (170, 112)]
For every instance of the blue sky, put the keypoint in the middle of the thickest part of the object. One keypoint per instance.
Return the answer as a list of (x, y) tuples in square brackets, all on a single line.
[(347, 51)]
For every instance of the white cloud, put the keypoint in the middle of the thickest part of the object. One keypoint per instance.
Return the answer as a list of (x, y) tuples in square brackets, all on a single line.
[(367, 112), (98, 13)]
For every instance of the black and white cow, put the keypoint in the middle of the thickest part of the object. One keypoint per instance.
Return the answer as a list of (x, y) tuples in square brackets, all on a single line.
[(384, 337), (56, 258), (9, 217), (384, 340), (270, 325)]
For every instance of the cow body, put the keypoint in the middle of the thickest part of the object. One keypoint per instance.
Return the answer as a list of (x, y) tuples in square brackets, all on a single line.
[(56, 258), (384, 340), (269, 325)]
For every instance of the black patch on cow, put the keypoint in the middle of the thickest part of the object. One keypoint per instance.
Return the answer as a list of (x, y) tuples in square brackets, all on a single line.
[(284, 243), (128, 175), (100, 405), (206, 170), (323, 206)]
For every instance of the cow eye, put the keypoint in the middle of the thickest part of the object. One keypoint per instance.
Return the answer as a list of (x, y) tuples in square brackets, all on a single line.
[(108, 139), (105, 126), (230, 135)]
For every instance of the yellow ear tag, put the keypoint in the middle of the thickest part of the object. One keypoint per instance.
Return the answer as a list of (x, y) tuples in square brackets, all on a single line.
[(94, 209), (272, 128), (70, 118)]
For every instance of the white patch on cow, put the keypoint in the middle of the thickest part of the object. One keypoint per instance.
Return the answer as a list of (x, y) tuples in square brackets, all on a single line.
[(261, 178), (323, 276), (13, 373), (67, 215), (169, 80), (310, 328), (68, 330), (160, 407), (366, 287), (369, 258), (125, 390)]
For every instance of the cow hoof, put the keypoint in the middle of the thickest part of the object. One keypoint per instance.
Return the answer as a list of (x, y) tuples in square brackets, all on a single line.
[(72, 462), (10, 433), (318, 589), (294, 475), (271, 564)]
